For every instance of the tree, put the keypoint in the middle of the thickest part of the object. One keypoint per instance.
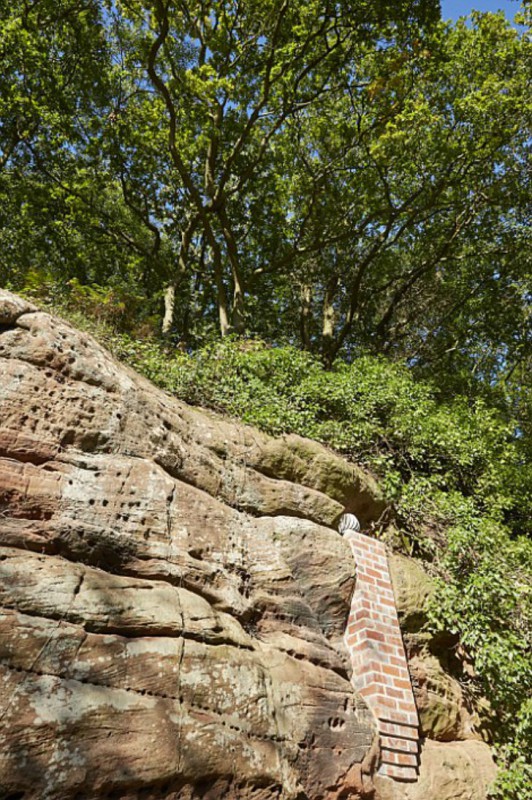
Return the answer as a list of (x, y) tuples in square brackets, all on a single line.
[(413, 196), (63, 213), (348, 178), (229, 77)]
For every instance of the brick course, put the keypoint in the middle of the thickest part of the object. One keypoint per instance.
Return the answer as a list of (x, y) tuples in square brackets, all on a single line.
[(380, 669)]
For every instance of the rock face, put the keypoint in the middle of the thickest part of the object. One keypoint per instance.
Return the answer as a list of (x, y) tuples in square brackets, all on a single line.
[(449, 771), (446, 713), (173, 594)]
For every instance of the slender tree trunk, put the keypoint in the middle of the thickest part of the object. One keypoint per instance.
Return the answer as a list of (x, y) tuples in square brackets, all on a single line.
[(238, 317), (223, 314), (329, 321), (170, 292), (238, 320), (169, 308), (305, 316)]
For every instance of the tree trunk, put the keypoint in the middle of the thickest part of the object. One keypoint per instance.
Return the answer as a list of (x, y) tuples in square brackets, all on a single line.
[(223, 314), (169, 293), (238, 320), (305, 315), (329, 321), (169, 307)]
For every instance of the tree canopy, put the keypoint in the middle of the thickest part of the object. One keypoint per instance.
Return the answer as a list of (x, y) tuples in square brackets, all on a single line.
[(346, 177)]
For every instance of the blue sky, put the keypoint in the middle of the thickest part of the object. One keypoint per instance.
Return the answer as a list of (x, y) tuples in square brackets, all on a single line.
[(452, 9)]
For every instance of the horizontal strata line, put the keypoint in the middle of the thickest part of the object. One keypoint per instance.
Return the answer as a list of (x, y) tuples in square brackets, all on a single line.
[(132, 633), (322, 663), (144, 693), (65, 373), (123, 571)]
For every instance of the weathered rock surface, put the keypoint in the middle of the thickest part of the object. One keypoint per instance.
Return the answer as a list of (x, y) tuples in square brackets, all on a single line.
[(413, 590), (173, 596), (445, 712), (448, 771)]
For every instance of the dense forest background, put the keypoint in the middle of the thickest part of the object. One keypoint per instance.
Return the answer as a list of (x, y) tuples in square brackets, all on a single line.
[(314, 216)]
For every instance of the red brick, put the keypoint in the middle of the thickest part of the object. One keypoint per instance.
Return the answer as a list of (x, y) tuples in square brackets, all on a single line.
[(401, 759), (385, 702), (387, 681), (395, 672), (396, 743), (367, 681), (407, 705), (358, 542), (386, 602), (391, 649), (401, 773), (384, 594), (355, 627), (352, 640), (403, 684), (384, 616), (389, 628), (375, 635), (397, 645), (392, 638), (370, 691), (400, 661), (398, 694), (387, 714), (375, 573), (370, 666), (397, 730)]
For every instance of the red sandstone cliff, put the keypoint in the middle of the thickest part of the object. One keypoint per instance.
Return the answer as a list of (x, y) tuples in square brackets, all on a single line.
[(173, 597)]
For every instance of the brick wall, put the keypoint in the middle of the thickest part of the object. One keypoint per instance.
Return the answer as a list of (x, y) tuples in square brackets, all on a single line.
[(380, 669)]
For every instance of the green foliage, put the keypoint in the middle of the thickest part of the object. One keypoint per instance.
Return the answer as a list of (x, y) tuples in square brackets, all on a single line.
[(485, 597), (515, 778), (354, 175)]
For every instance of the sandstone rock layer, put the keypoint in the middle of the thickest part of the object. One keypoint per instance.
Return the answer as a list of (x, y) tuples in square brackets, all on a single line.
[(172, 609), (173, 593)]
